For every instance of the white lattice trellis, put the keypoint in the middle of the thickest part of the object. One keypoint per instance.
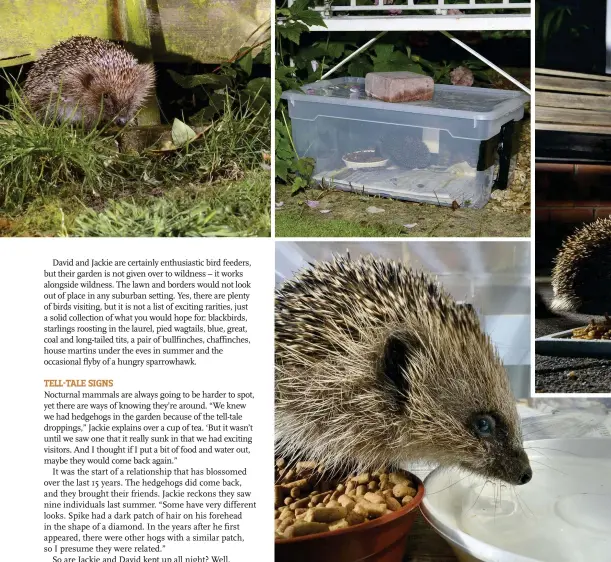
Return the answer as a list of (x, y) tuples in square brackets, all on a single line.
[(401, 16)]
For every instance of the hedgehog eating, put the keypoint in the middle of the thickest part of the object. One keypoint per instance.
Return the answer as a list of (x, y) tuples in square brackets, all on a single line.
[(377, 365), (581, 278), (90, 81), (406, 151)]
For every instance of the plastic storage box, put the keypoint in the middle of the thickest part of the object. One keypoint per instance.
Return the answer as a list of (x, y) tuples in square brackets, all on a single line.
[(454, 147)]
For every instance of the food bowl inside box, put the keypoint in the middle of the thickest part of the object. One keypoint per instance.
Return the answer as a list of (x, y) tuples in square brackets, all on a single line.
[(562, 344), (438, 151), (380, 540), (562, 515)]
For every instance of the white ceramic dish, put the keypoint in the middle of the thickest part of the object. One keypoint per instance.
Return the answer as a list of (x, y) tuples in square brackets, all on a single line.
[(562, 515), (381, 163), (561, 344)]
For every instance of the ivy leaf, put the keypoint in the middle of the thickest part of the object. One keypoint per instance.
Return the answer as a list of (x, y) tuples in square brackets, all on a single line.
[(261, 87), (310, 18), (299, 6), (245, 63), (334, 49), (307, 54), (384, 50), (305, 166), (360, 67), (282, 72), (396, 60), (413, 67), (291, 31), (301, 11), (299, 183), (282, 169)]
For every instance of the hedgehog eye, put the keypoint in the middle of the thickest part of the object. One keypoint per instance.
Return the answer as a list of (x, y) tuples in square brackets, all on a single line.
[(106, 96), (484, 425)]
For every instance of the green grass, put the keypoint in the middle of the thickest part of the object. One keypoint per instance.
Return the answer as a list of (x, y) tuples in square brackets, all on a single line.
[(300, 225), (224, 208), (239, 208), (63, 180), (349, 217)]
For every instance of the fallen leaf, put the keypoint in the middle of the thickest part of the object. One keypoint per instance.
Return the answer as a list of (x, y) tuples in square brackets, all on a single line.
[(279, 204), (325, 211), (412, 225), (182, 133), (312, 204), (374, 210)]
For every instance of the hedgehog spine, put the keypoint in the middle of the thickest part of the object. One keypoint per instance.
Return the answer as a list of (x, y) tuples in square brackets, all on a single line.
[(88, 80)]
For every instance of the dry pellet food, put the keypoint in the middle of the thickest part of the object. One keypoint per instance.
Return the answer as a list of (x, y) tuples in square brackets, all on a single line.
[(594, 330), (306, 502)]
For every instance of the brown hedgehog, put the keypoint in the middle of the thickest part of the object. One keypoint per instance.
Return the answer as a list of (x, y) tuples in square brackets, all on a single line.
[(405, 150), (581, 278), (90, 81), (377, 365)]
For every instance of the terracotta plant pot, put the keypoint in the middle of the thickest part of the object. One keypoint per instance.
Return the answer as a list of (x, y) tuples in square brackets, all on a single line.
[(380, 540)]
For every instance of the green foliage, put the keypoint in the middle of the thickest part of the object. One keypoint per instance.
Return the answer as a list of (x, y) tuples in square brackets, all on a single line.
[(235, 80), (37, 160), (551, 22), (52, 174)]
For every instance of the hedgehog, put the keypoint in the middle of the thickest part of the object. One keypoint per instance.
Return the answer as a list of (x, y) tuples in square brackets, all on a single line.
[(377, 365), (581, 278), (90, 81), (406, 151)]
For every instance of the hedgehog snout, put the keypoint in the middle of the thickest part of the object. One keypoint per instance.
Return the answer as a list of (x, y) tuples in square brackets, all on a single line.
[(516, 468), (526, 476), (121, 121)]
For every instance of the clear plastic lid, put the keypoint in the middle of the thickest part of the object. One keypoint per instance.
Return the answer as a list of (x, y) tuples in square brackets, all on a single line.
[(457, 101)]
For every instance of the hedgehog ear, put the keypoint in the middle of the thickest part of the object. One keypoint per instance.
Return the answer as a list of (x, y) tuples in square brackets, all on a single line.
[(86, 79), (394, 362)]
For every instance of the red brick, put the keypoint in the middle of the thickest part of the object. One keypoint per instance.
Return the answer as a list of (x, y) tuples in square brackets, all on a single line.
[(399, 86), (577, 214)]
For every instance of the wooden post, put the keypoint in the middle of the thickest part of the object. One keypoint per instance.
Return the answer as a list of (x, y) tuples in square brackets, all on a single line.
[(130, 23)]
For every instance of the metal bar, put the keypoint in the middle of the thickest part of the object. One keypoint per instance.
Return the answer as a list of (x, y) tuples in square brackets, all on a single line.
[(485, 60), (351, 55), (380, 22), (427, 7)]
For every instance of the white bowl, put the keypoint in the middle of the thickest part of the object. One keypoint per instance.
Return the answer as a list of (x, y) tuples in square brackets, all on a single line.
[(356, 165), (562, 515)]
